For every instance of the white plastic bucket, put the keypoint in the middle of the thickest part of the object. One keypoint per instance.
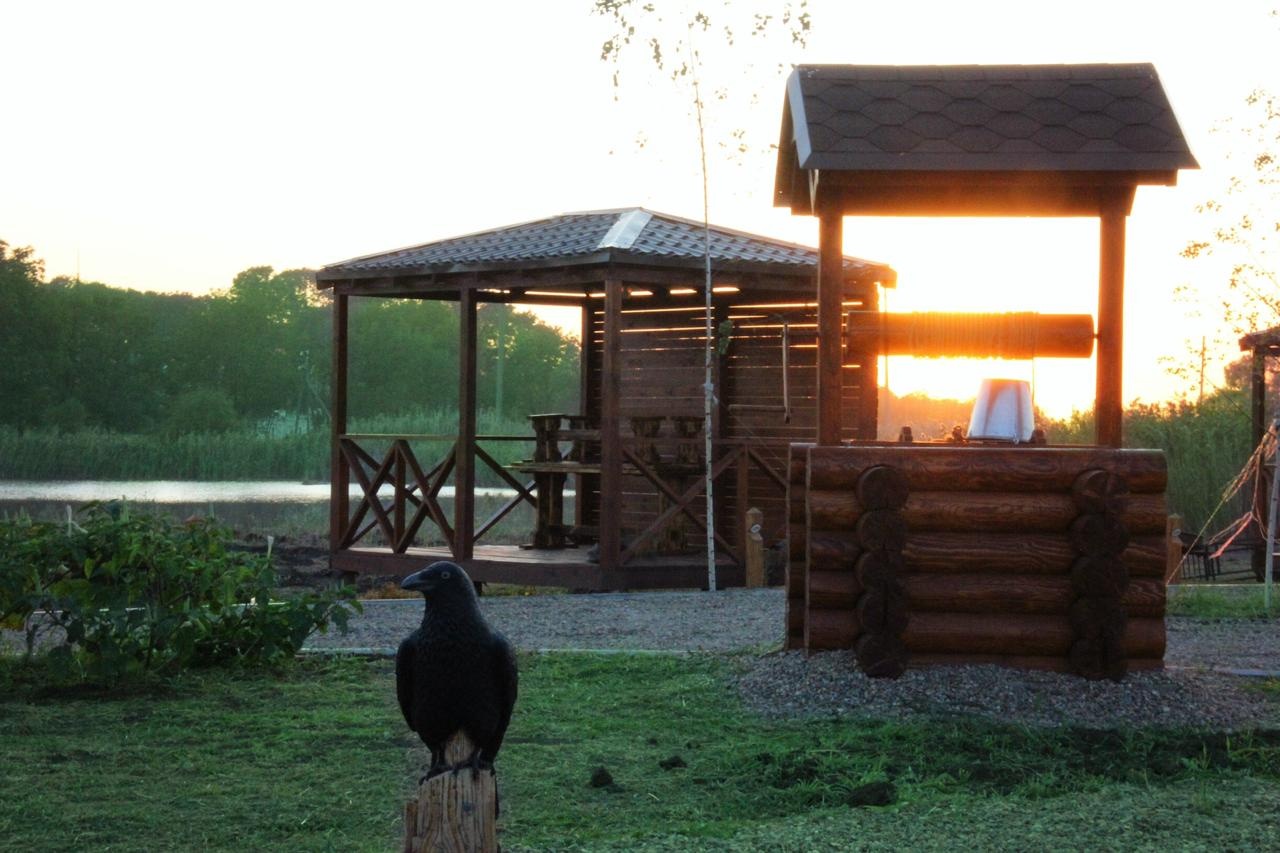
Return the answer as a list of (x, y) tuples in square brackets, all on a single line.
[(1002, 411)]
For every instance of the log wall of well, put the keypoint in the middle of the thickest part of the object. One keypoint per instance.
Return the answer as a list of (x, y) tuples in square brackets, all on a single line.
[(1044, 557)]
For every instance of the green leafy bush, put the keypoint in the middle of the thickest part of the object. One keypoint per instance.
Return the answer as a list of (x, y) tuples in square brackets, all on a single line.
[(201, 410), (137, 593)]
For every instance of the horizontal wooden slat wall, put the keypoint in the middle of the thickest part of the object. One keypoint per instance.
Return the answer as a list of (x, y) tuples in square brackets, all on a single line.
[(753, 378), (662, 359)]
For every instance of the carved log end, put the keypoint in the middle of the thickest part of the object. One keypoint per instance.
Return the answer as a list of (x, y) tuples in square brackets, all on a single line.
[(883, 609), (1096, 618), (1097, 659), (1098, 534), (1099, 577), (881, 529), (882, 487), (881, 655), (879, 567), (1097, 490)]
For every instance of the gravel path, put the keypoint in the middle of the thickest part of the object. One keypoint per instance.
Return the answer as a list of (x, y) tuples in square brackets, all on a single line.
[(729, 621), (791, 684)]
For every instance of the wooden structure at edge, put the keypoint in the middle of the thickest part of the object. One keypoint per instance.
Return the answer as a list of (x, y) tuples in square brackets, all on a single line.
[(1260, 346), (643, 358), (1044, 557)]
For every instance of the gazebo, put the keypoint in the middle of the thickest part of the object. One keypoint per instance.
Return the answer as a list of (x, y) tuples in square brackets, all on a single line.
[(633, 452)]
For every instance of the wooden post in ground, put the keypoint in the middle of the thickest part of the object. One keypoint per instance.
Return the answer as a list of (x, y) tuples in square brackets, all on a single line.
[(453, 811), (755, 548), (1174, 561)]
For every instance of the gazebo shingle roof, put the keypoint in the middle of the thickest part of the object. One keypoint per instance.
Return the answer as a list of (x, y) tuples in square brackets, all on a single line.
[(624, 235)]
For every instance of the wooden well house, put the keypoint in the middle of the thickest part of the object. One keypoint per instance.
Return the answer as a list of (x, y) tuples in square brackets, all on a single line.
[(922, 553), (634, 451)]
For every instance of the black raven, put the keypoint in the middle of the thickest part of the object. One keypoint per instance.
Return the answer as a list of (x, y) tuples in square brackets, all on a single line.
[(455, 673)]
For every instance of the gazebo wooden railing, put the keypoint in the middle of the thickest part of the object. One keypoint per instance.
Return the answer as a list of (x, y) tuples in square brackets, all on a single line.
[(399, 496), (415, 494)]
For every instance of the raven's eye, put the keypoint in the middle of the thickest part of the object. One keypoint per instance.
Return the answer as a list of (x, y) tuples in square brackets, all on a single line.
[(444, 575)]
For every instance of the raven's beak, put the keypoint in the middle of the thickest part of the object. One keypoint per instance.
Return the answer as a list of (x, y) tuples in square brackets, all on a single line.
[(417, 582)]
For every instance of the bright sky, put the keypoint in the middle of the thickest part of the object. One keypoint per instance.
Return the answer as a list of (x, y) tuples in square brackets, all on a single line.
[(167, 146)]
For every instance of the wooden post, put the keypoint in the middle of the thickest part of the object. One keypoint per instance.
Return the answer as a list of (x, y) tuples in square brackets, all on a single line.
[(401, 498), (741, 497), (755, 548), (867, 375), (339, 476), (830, 325), (464, 470), (1258, 410), (610, 423), (1258, 396), (586, 397), (1174, 561), (453, 811), (1109, 406)]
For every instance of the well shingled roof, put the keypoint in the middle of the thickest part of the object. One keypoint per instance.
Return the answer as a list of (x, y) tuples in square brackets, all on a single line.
[(1001, 117)]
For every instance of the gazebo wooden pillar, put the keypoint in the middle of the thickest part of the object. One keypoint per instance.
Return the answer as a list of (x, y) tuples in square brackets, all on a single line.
[(610, 437), (340, 476), (464, 494)]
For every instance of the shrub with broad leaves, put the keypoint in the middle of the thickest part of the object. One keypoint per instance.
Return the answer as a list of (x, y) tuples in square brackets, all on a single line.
[(135, 593)]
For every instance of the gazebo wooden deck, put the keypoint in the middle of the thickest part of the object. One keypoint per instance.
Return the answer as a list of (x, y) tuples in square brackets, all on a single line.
[(634, 452)]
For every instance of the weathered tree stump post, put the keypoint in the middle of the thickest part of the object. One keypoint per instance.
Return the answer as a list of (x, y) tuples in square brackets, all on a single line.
[(453, 812)]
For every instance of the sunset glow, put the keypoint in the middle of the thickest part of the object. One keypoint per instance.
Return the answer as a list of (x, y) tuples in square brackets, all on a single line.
[(222, 141)]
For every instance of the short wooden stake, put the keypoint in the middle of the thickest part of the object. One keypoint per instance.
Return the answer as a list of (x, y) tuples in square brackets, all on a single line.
[(755, 548), (1174, 560), (453, 811)]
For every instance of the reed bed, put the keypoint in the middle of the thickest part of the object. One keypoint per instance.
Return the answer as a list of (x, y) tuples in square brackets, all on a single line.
[(248, 453)]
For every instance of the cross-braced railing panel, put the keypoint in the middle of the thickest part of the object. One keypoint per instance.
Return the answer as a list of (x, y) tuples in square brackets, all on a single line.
[(415, 494), (680, 497), (398, 496)]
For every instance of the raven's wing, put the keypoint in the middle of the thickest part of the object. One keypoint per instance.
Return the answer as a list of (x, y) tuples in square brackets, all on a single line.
[(506, 676), (406, 660)]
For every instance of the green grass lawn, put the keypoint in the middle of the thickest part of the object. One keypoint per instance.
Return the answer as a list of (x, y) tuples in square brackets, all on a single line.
[(316, 757), (1222, 601)]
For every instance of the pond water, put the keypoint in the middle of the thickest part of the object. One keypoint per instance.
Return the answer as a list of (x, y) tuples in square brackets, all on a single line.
[(283, 508), (187, 492)]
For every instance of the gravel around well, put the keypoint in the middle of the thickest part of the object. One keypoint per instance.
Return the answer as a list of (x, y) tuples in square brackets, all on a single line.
[(748, 624)]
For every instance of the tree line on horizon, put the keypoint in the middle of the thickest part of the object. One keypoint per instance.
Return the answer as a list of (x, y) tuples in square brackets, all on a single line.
[(80, 355)]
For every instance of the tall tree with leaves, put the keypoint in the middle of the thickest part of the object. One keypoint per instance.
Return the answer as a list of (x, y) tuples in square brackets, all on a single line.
[(1245, 219)]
